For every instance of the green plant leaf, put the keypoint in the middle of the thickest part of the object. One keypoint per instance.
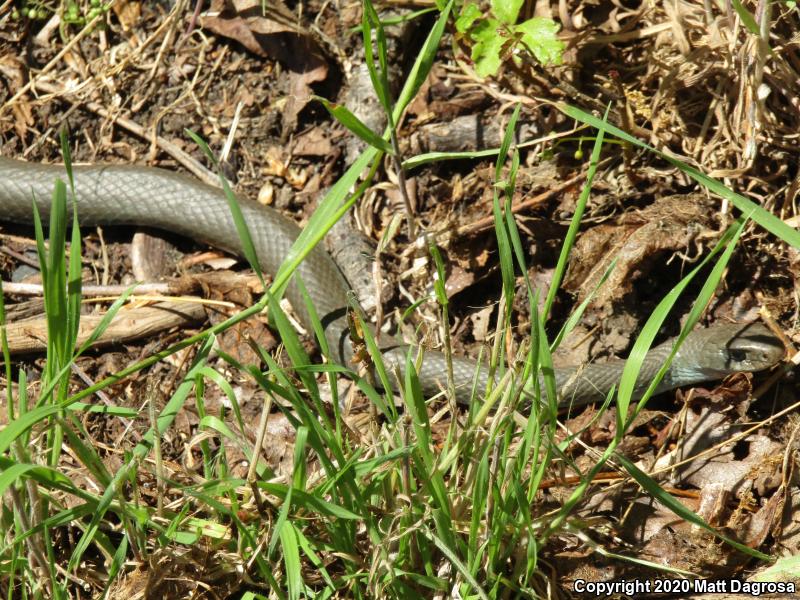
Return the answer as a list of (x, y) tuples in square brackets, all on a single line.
[(539, 37), (291, 561), (488, 46), (506, 11), (11, 475), (248, 248), (397, 20), (422, 65), (308, 501), (378, 75), (469, 14)]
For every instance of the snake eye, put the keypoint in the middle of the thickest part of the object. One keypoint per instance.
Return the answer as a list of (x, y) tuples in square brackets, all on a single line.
[(738, 355)]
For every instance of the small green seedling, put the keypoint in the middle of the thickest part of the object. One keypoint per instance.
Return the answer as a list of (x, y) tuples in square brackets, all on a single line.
[(496, 36)]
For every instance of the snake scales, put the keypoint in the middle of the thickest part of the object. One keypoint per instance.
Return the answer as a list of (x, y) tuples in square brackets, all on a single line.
[(144, 196)]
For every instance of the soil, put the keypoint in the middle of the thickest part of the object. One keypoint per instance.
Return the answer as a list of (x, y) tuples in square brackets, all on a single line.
[(684, 81)]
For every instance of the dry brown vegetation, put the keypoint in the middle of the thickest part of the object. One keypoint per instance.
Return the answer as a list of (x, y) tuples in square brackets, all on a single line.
[(694, 80)]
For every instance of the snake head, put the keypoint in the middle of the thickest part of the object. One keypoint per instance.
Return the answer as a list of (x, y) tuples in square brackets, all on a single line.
[(731, 348)]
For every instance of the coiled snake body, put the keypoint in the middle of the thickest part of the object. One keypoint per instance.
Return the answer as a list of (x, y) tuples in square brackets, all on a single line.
[(145, 196)]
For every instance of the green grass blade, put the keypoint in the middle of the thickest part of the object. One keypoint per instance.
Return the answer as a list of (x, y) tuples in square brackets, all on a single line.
[(6, 354), (422, 65), (575, 222), (108, 317), (291, 561), (163, 422), (294, 348), (74, 285), (115, 567), (680, 509), (503, 240), (335, 204), (384, 403), (761, 216), (747, 17), (283, 516), (379, 76), (46, 476), (425, 461), (74, 275), (659, 315), (405, 17), (12, 474), (56, 284), (242, 230), (25, 422), (458, 564), (308, 501), (322, 341), (87, 455), (355, 125), (305, 545)]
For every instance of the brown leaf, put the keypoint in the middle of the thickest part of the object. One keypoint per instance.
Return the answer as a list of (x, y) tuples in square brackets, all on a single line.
[(766, 520), (14, 71), (128, 13), (236, 29), (314, 142), (671, 224), (457, 280), (275, 34), (300, 93), (152, 257)]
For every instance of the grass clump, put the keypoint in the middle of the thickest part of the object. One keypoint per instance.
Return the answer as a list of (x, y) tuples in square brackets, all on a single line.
[(391, 513)]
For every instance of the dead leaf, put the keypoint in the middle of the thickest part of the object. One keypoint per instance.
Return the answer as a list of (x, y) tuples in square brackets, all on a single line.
[(314, 142), (14, 71), (238, 340), (481, 322), (671, 224), (765, 520), (275, 33), (457, 280), (713, 503), (274, 163), (301, 93), (736, 466), (128, 14), (243, 21)]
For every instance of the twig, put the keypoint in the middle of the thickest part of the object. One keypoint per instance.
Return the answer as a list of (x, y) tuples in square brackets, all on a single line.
[(198, 6), (84, 376), (19, 257), (128, 325), (174, 151), (33, 82), (488, 222), (36, 289), (151, 394), (401, 184)]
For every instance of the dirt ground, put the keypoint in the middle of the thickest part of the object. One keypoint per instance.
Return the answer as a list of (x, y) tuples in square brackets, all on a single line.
[(687, 78)]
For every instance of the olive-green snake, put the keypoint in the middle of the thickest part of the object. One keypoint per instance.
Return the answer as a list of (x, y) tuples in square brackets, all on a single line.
[(133, 195)]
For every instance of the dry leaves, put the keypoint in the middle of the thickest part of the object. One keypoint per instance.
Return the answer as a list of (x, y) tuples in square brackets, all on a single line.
[(671, 224), (277, 34)]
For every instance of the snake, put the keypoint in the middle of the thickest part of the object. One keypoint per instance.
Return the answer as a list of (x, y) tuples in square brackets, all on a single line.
[(110, 195)]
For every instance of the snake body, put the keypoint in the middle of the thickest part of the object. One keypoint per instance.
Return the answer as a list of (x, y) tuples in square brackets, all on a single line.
[(151, 197)]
